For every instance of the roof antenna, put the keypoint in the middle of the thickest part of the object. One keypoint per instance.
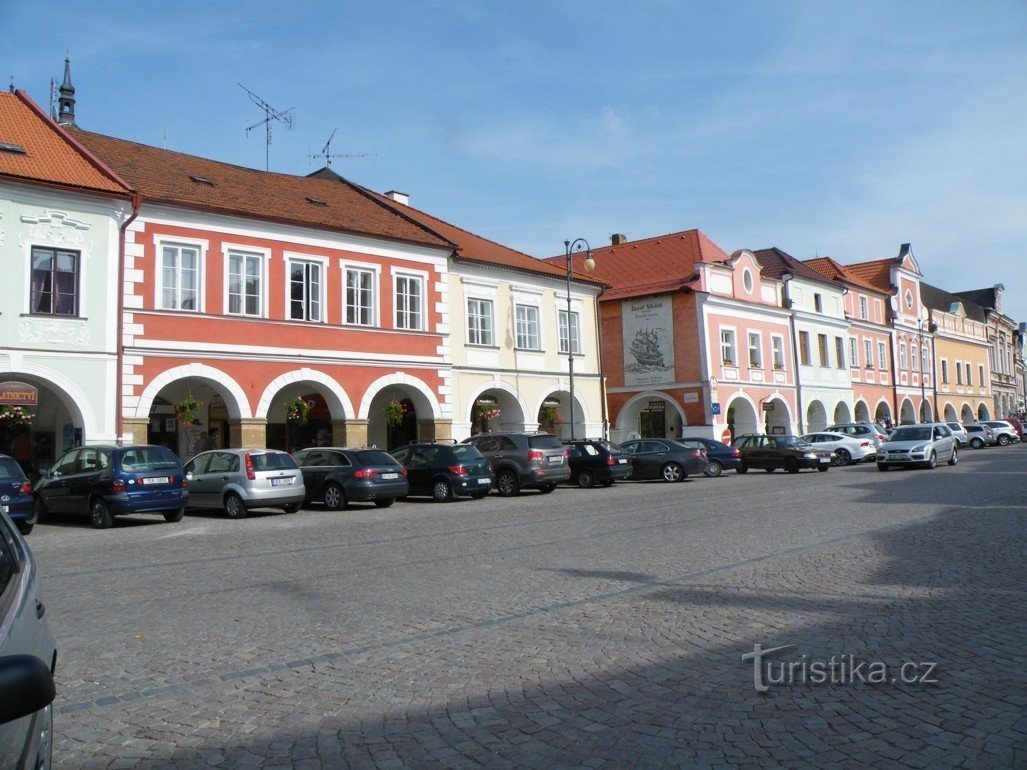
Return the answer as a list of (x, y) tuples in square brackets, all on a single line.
[(270, 114), (327, 154), (13, 89), (165, 137)]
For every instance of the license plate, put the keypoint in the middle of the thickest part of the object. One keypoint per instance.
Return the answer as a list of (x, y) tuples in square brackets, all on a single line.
[(281, 482), (825, 459), (156, 480), (622, 461), (390, 476), (555, 460), (484, 481)]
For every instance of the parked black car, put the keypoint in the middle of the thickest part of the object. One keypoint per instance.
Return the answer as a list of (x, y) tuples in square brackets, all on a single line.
[(523, 460), (720, 456), (445, 470), (664, 458), (595, 461), (338, 476), (16, 494), (109, 481), (773, 452)]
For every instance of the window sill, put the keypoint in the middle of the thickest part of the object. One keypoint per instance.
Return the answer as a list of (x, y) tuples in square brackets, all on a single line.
[(529, 350), (477, 346), (55, 315)]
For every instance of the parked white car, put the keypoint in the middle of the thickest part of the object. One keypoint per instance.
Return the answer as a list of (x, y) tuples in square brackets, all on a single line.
[(959, 432), (860, 430), (1005, 433), (845, 449), (924, 445)]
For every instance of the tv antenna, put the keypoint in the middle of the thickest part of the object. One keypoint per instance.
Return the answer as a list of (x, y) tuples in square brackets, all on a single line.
[(327, 154), (270, 114)]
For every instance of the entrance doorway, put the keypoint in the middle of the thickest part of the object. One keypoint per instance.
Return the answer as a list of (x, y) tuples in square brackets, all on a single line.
[(652, 420)]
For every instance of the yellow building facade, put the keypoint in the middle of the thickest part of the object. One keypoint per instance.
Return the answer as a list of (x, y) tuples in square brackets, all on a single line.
[(963, 384)]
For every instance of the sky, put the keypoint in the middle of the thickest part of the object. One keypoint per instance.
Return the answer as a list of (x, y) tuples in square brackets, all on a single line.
[(823, 128)]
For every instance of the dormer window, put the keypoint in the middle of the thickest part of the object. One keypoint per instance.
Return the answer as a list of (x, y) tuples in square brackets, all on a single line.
[(14, 149), (201, 180), (316, 201)]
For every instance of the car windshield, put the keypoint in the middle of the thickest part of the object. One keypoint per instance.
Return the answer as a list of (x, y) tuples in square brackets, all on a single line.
[(466, 452), (273, 461), (791, 441), (375, 457), (147, 458), (544, 442), (9, 469), (911, 434)]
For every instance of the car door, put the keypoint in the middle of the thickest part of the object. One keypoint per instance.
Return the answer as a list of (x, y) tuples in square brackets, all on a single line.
[(199, 484), (89, 465), (314, 466), (419, 469), (217, 476), (946, 442), (756, 452), (53, 490)]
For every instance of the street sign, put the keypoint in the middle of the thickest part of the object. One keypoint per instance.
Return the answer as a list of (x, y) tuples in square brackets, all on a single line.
[(768, 407), (716, 407)]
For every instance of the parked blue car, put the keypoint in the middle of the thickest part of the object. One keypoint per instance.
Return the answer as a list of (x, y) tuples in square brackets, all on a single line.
[(722, 457), (16, 494), (109, 481)]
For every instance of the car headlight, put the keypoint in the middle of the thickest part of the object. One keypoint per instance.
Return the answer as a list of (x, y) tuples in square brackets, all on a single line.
[(810, 455), (919, 448)]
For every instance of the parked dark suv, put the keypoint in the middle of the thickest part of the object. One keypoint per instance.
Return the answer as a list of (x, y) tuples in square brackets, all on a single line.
[(109, 481), (594, 461), (338, 476), (445, 470), (524, 460)]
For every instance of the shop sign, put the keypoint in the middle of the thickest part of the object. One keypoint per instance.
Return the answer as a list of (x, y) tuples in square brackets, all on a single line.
[(18, 393)]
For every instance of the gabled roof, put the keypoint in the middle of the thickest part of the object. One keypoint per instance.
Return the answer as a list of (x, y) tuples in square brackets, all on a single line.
[(984, 297), (777, 263), (939, 299), (839, 272), (650, 266), (482, 251), (34, 149), (876, 273), (174, 178)]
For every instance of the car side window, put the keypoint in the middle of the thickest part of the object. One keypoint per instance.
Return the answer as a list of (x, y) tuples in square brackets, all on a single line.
[(507, 444), (66, 465), (419, 458), (572, 450), (401, 455), (486, 443), (338, 460), (221, 462), (88, 461), (198, 464), (590, 450), (315, 459)]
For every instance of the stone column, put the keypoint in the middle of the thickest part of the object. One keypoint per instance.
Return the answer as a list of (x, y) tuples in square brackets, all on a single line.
[(349, 432), (430, 430), (248, 432), (136, 430)]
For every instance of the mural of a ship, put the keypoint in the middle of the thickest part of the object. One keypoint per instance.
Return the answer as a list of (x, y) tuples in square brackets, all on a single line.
[(645, 348)]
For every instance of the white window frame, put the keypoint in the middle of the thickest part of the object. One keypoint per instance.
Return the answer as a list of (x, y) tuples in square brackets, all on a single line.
[(310, 259), (777, 351), (754, 343), (969, 375), (230, 250), (925, 360), (914, 358), (803, 335), (839, 349), (732, 346), (944, 371), (864, 308), (517, 327), (882, 354), (202, 246), (868, 354), (561, 324), (376, 278), (748, 284), (824, 350), (959, 372), (853, 352), (422, 278), (491, 316), (903, 362)]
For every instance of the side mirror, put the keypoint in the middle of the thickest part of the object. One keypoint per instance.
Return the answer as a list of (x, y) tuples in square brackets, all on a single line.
[(189, 476), (44, 473), (27, 685)]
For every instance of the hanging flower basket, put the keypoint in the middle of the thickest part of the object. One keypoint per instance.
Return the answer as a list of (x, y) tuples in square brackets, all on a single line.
[(549, 415), (298, 410), (187, 409), (14, 416), (486, 412), (394, 413)]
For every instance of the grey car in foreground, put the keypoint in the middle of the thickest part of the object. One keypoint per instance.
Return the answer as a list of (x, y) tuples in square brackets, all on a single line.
[(236, 480), (924, 445), (28, 657)]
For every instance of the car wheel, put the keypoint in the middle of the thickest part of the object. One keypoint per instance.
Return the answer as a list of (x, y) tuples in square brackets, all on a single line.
[(291, 507), (955, 457), (441, 492), (823, 468), (791, 465), (334, 498), (507, 484), (882, 466), (672, 472), (24, 527), (742, 468), (384, 503), (234, 506), (586, 479), (100, 514), (976, 443), (842, 457), (546, 488), (932, 461), (1003, 440), (714, 469), (173, 516)]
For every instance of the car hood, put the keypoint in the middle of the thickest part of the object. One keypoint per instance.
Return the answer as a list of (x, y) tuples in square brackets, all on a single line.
[(904, 444)]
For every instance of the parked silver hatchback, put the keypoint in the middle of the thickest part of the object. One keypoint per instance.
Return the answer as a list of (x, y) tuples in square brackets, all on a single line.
[(236, 480), (924, 445)]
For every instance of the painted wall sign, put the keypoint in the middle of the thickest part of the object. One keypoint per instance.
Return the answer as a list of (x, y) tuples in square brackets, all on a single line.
[(690, 398), (18, 393), (648, 327)]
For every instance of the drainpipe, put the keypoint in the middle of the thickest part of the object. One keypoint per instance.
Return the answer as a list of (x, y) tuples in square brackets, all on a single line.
[(795, 353), (602, 369), (119, 420)]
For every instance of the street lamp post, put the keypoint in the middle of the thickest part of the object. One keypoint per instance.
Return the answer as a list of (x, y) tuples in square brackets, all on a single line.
[(579, 245)]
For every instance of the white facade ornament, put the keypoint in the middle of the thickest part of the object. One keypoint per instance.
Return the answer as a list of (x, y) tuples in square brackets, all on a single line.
[(55, 227), (53, 331)]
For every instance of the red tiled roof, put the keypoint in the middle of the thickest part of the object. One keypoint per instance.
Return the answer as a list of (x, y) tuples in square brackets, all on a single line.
[(165, 176), (838, 272), (636, 267), (776, 263), (474, 248), (876, 273), (49, 157)]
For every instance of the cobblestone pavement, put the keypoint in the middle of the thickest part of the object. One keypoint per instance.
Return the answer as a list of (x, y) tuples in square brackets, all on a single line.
[(582, 628)]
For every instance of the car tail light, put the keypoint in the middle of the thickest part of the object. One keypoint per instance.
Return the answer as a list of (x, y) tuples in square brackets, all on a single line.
[(879, 437), (864, 443), (459, 470), (118, 486), (26, 488), (535, 454), (610, 460), (697, 453), (185, 482), (367, 473), (250, 474), (402, 471), (735, 453), (566, 453)]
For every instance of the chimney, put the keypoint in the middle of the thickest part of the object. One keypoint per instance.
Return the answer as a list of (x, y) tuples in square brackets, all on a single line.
[(618, 238), (401, 198)]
